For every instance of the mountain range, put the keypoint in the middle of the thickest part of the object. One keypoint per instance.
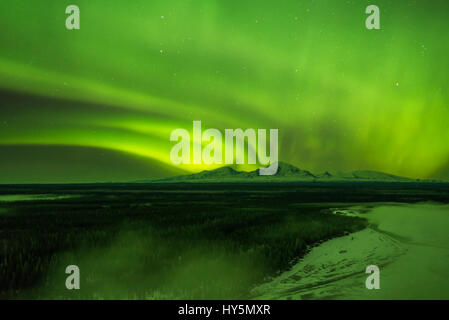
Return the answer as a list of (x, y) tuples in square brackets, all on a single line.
[(286, 173)]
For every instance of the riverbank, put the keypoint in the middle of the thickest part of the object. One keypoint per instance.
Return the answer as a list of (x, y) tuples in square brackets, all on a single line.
[(409, 243)]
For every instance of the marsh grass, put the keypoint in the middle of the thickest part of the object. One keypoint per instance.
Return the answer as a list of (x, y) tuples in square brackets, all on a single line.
[(156, 245)]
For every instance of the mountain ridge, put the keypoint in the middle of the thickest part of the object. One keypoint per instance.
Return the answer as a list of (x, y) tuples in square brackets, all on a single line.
[(286, 173)]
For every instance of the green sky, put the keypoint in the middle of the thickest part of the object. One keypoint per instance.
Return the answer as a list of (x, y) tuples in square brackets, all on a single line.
[(99, 103)]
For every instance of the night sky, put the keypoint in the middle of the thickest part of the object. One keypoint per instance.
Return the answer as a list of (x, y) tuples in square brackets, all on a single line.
[(99, 103)]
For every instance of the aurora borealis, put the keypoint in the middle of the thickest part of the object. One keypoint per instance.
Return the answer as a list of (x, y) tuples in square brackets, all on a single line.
[(99, 103)]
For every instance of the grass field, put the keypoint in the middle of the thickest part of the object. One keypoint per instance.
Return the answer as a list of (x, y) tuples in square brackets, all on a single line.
[(171, 241)]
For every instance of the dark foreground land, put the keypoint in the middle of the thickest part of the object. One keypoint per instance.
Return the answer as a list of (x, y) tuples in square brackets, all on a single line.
[(183, 241)]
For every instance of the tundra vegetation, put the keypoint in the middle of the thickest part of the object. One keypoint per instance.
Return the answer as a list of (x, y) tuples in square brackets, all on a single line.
[(184, 241)]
